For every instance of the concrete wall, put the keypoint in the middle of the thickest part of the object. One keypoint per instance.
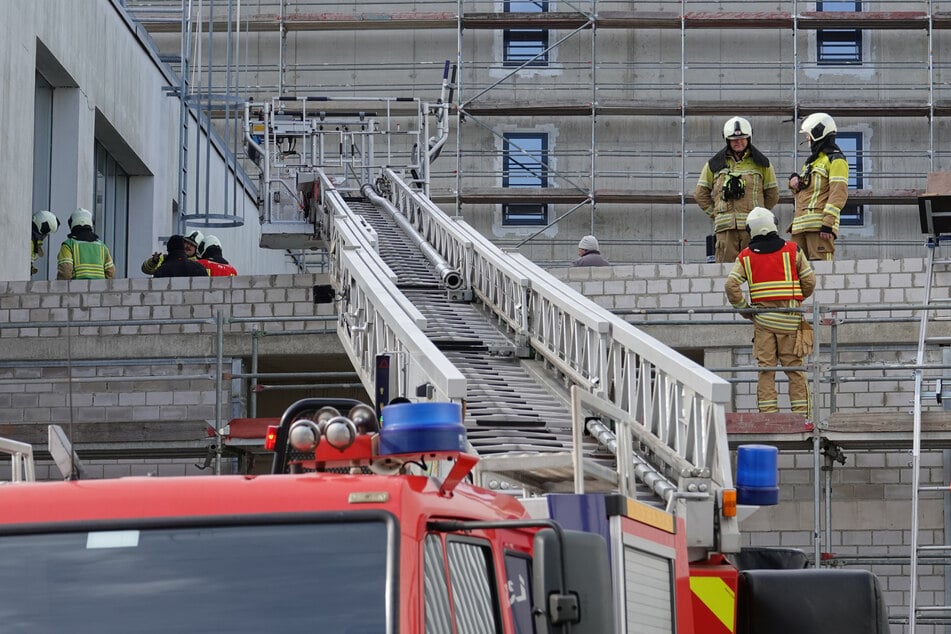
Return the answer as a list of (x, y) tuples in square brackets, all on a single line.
[(870, 507), (145, 351), (157, 373), (109, 87)]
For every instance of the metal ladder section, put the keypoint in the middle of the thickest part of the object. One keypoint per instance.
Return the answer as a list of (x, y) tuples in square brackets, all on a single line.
[(465, 340), (934, 554)]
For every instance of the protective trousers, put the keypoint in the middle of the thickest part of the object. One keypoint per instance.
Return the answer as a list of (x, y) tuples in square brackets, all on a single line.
[(813, 246), (772, 349), (730, 243)]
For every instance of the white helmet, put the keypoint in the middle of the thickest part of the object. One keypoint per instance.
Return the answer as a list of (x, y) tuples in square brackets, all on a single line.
[(209, 241), (818, 126), (80, 218), (45, 222), (760, 221), (195, 238), (737, 128)]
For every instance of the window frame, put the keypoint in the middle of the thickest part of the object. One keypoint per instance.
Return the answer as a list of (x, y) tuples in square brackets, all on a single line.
[(528, 47), (521, 213), (838, 47), (853, 215), (458, 584)]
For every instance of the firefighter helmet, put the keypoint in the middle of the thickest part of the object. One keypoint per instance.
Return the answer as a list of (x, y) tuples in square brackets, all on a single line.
[(818, 126), (80, 218), (45, 222), (760, 222), (208, 241), (737, 128), (194, 238)]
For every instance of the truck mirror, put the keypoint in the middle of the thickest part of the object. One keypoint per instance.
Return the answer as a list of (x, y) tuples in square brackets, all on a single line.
[(571, 583)]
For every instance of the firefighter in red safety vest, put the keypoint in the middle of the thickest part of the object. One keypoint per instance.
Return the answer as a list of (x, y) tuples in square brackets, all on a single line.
[(211, 257), (779, 276)]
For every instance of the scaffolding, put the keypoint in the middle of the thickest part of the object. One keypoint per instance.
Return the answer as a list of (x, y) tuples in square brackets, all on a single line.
[(631, 95)]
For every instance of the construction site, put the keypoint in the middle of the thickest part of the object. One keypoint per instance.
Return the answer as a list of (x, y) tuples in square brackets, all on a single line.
[(421, 174)]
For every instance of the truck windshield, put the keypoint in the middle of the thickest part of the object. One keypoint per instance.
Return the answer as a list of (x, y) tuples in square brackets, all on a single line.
[(307, 577)]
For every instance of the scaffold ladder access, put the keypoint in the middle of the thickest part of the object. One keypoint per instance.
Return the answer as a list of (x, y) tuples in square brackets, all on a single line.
[(926, 614)]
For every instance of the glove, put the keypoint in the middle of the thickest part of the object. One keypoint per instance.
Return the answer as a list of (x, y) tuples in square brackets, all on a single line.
[(747, 314)]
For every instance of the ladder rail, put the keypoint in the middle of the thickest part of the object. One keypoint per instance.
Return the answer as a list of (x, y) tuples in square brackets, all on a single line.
[(913, 608)]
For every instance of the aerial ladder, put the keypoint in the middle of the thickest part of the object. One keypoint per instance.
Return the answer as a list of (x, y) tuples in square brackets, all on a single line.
[(429, 309)]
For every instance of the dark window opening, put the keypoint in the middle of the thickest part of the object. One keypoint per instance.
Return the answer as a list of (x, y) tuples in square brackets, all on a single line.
[(851, 145), (525, 46), (838, 47), (525, 165)]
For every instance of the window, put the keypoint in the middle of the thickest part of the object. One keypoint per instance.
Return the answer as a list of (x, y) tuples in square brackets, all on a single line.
[(851, 145), (518, 572), (42, 165), (837, 47), (111, 213), (525, 46), (474, 608), (525, 164), (99, 583)]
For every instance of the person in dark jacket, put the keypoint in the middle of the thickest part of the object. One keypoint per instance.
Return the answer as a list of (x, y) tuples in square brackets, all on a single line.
[(176, 263), (589, 253)]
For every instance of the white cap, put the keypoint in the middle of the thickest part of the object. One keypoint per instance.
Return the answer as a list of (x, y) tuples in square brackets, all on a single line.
[(589, 243)]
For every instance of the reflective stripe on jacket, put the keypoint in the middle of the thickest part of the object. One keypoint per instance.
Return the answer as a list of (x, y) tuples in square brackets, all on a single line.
[(89, 260), (819, 204), (760, 190)]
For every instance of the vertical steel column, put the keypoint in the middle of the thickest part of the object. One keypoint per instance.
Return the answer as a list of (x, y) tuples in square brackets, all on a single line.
[(683, 131), (219, 384), (594, 110)]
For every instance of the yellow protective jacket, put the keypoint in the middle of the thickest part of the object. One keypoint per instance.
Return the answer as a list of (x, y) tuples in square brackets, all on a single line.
[(824, 191), (80, 260), (759, 181)]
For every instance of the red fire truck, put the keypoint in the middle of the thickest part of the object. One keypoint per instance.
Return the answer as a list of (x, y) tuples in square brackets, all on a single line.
[(369, 529)]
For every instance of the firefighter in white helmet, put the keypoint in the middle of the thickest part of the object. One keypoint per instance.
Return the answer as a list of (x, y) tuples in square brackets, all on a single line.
[(821, 189), (44, 224), (737, 178), (192, 240), (779, 276), (211, 257), (83, 256)]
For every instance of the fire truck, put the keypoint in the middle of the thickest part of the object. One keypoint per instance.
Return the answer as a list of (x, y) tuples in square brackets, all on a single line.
[(370, 527)]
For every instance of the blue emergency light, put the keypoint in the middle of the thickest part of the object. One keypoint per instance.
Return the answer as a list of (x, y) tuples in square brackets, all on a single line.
[(410, 428)]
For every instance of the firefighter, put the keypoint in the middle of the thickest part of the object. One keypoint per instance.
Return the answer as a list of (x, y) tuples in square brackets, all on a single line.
[(83, 256), (192, 240), (737, 178), (778, 275), (210, 257), (821, 190), (44, 224), (177, 263)]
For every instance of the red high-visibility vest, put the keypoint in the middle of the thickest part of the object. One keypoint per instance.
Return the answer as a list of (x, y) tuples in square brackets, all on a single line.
[(772, 276)]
